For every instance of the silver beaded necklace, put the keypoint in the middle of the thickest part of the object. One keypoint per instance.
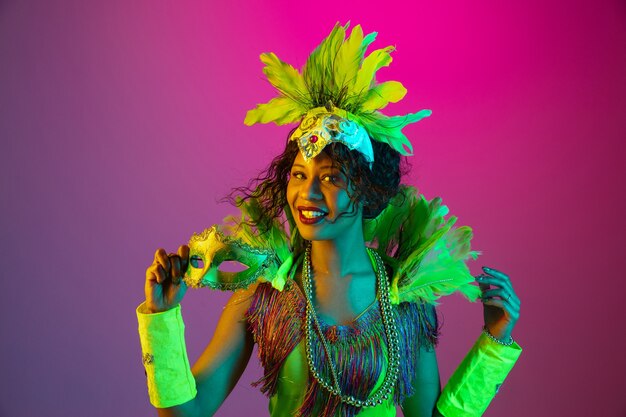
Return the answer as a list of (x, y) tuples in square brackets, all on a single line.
[(389, 325)]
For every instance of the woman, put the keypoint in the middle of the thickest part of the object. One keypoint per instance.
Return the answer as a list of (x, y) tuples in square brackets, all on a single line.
[(342, 329)]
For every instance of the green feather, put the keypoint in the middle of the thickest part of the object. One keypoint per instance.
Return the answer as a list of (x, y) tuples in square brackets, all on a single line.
[(382, 94), (348, 58), (280, 110), (372, 63), (318, 71), (428, 255), (389, 129), (285, 78)]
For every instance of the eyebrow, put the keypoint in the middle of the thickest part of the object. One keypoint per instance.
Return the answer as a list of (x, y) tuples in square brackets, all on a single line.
[(322, 167)]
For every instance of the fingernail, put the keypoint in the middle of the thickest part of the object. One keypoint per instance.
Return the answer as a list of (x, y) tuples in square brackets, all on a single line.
[(486, 268)]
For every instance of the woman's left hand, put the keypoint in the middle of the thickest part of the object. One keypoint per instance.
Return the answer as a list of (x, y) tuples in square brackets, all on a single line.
[(500, 303)]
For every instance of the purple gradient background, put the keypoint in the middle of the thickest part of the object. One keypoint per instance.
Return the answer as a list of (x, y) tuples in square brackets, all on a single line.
[(121, 127)]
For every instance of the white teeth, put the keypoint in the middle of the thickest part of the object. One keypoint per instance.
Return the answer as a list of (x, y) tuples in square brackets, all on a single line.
[(312, 214)]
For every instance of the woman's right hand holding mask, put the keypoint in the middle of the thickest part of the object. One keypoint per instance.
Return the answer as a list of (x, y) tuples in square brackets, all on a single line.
[(165, 287)]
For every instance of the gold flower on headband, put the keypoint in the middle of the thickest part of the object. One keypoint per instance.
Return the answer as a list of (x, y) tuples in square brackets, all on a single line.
[(319, 127)]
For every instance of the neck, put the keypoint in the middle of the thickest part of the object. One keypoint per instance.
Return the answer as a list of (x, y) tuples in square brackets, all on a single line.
[(341, 257)]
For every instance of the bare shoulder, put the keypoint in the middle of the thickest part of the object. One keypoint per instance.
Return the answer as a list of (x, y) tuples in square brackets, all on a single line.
[(239, 301)]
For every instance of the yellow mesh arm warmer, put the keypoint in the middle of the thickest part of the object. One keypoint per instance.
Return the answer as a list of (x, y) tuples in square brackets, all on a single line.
[(162, 335), (478, 378)]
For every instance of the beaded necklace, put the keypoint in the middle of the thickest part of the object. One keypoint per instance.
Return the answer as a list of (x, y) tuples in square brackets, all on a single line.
[(389, 325)]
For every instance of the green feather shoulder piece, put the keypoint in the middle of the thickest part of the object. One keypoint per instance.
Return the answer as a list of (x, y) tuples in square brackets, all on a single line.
[(427, 253)]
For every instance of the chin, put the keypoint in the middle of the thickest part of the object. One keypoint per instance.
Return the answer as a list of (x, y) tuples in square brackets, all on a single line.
[(325, 231), (308, 234)]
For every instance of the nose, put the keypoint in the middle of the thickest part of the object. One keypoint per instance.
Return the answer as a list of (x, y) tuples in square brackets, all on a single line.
[(310, 190)]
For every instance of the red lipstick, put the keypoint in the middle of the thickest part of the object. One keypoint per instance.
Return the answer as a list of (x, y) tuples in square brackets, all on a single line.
[(311, 219)]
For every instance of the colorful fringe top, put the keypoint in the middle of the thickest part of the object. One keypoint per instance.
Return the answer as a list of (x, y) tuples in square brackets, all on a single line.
[(276, 319)]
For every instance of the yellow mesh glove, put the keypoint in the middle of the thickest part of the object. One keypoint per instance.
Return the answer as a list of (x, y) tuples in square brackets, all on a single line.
[(478, 378), (164, 354)]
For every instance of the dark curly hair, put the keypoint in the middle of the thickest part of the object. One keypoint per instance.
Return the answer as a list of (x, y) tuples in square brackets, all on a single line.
[(371, 187)]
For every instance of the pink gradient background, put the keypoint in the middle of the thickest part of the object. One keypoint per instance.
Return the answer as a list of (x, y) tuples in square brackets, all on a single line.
[(121, 127)]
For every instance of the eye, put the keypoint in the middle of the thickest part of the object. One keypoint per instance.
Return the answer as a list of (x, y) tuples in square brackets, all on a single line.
[(335, 179), (297, 175)]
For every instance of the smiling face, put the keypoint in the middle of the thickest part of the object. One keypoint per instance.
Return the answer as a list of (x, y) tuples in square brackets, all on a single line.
[(318, 197)]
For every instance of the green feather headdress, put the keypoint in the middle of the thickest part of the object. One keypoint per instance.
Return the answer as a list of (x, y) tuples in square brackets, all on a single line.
[(338, 76)]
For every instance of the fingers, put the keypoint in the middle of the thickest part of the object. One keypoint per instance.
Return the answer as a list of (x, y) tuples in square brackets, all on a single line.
[(483, 285), (162, 259), (495, 273), (511, 309), (168, 267), (497, 278), (501, 294), (164, 287), (151, 275), (175, 272), (497, 292), (503, 290), (156, 273), (183, 252)]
